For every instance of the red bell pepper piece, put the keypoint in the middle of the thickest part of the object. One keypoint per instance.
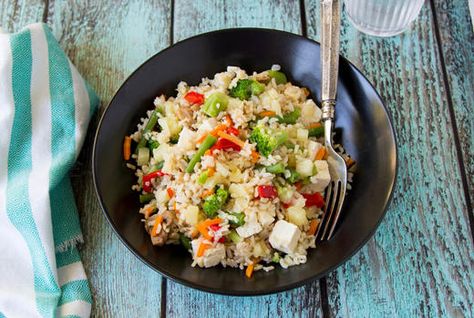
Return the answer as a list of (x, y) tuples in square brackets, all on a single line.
[(233, 131), (215, 227), (315, 199), (194, 98), (267, 191), (146, 180), (224, 144)]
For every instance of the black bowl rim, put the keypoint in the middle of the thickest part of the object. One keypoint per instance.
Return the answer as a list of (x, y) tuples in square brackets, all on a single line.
[(267, 291)]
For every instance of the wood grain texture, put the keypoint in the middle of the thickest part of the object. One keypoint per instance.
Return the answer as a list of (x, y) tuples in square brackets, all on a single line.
[(420, 262), (457, 44), (16, 14), (196, 17), (106, 41)]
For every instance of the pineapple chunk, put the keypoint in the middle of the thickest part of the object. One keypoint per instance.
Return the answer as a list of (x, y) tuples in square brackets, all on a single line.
[(297, 216), (302, 134), (191, 215), (304, 167)]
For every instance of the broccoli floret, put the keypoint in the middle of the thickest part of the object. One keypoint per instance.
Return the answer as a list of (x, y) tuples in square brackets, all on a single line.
[(215, 202), (267, 140), (245, 88)]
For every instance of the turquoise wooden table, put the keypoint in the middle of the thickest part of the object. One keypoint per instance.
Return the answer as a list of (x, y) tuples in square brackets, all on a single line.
[(420, 263)]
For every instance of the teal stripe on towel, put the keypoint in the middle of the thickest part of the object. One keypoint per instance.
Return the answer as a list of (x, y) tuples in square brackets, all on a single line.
[(19, 168), (68, 257), (66, 226), (75, 290)]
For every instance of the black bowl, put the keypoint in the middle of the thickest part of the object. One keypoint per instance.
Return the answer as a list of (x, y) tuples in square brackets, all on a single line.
[(365, 130)]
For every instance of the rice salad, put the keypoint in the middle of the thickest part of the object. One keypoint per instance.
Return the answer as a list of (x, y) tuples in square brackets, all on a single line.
[(233, 169)]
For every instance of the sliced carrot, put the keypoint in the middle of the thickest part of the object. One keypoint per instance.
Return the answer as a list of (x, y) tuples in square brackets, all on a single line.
[(174, 206), (202, 227), (194, 233), (313, 226), (314, 125), (249, 270), (228, 120), (149, 211), (255, 156), (170, 192), (267, 113), (218, 128), (211, 171), (231, 138), (202, 248), (127, 144), (201, 139), (321, 153), (158, 221), (350, 162)]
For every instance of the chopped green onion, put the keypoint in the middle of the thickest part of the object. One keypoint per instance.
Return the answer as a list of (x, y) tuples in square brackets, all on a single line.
[(280, 77), (291, 117), (206, 144), (185, 241), (153, 144), (215, 103), (317, 131), (203, 177), (174, 139), (144, 198), (143, 156), (240, 219), (234, 237), (148, 127), (294, 176), (276, 168)]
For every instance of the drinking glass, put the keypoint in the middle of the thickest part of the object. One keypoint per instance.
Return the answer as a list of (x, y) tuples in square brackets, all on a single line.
[(382, 17)]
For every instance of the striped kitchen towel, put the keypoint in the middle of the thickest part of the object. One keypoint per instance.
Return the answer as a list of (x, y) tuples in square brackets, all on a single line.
[(45, 107)]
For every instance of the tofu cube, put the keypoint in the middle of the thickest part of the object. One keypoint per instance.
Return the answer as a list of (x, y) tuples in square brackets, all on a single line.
[(322, 178), (211, 257), (284, 236)]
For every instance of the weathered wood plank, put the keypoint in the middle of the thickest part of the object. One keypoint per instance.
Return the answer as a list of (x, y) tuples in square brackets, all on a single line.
[(16, 14), (457, 44), (196, 17), (106, 41), (420, 262)]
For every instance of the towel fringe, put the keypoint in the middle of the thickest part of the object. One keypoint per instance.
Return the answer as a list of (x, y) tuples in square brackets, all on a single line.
[(69, 244)]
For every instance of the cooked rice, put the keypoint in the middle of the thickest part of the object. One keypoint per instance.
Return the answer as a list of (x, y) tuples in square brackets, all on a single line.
[(233, 170)]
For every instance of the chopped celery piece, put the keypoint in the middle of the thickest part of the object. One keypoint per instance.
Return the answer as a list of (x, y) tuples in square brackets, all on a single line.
[(276, 258), (280, 77), (203, 177), (291, 117), (239, 219), (294, 176), (143, 156), (276, 168), (234, 237), (215, 103)]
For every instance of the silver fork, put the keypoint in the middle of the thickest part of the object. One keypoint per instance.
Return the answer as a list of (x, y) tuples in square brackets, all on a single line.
[(336, 191)]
